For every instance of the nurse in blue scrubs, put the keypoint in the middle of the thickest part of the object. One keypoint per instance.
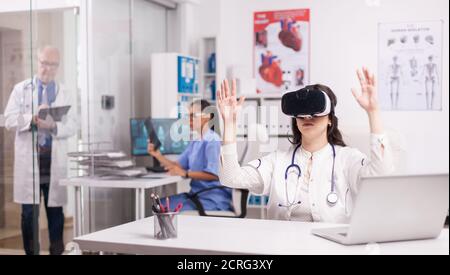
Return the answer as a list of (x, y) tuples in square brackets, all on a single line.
[(199, 162)]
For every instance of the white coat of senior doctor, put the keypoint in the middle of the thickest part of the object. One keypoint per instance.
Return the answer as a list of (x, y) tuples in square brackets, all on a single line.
[(19, 114), (326, 181)]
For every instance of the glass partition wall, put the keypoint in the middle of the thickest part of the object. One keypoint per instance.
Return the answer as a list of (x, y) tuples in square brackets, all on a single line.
[(54, 54), (121, 37), (38, 49)]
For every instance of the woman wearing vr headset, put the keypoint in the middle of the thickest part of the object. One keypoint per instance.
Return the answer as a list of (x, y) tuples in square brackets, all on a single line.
[(316, 179)]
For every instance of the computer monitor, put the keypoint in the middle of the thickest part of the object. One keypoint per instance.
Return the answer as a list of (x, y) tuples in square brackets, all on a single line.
[(139, 137), (163, 128), (140, 132)]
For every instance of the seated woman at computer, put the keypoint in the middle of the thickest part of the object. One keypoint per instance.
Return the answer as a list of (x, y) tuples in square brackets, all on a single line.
[(199, 162), (316, 179)]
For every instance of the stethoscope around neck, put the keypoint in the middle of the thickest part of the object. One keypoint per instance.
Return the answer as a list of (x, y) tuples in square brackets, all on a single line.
[(332, 197)]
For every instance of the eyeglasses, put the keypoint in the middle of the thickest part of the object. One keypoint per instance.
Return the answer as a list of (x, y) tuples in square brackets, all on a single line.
[(50, 65), (196, 115)]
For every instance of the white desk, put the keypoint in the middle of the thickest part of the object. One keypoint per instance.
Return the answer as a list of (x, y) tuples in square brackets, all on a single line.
[(207, 235), (139, 184)]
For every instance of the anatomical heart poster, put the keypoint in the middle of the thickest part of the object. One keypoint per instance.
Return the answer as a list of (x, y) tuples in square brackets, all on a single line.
[(410, 66), (281, 61)]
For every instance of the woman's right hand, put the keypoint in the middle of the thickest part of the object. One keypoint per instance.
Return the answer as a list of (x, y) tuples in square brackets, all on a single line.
[(152, 151), (229, 106)]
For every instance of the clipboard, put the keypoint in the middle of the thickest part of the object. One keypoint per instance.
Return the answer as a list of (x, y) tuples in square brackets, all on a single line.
[(56, 113)]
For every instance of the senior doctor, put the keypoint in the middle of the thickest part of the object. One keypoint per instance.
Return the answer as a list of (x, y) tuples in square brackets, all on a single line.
[(317, 178), (40, 153)]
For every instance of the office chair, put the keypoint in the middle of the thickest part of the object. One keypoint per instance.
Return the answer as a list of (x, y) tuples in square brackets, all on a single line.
[(239, 199), (256, 135)]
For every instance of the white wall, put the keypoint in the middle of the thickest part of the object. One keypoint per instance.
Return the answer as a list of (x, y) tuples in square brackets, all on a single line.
[(183, 27), (344, 37), (209, 17), (24, 5)]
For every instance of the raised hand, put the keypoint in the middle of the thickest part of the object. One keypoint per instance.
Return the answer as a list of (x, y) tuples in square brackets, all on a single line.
[(367, 97), (229, 106)]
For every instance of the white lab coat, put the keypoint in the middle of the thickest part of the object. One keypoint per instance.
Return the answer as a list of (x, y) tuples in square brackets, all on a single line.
[(267, 177), (18, 116)]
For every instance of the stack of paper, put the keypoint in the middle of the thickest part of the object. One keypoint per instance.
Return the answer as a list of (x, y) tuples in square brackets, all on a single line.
[(107, 163), (131, 172), (122, 163)]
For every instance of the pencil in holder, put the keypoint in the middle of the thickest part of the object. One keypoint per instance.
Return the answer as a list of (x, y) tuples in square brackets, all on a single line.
[(165, 225)]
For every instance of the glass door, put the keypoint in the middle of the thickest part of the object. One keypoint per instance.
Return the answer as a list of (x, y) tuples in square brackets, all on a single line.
[(38, 76)]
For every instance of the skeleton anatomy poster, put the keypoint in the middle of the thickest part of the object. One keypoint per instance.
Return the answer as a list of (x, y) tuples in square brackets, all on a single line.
[(410, 66), (281, 61)]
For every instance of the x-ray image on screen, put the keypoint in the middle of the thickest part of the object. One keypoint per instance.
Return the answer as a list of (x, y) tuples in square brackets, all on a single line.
[(139, 137), (159, 132), (169, 146)]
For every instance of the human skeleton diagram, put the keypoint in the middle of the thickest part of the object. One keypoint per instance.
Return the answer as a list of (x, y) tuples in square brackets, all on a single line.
[(431, 81), (395, 73), (413, 67)]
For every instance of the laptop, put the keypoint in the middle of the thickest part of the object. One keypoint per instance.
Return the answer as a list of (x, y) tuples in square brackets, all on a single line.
[(394, 208)]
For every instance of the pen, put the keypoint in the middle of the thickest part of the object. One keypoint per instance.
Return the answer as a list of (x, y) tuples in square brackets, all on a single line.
[(165, 221), (158, 201), (153, 197), (155, 209), (162, 208), (178, 208), (164, 231)]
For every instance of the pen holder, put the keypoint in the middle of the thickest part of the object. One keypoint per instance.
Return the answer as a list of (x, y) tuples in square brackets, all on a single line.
[(165, 225)]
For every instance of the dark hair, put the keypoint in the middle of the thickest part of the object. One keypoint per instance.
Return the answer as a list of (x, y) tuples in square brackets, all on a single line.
[(334, 136), (203, 104)]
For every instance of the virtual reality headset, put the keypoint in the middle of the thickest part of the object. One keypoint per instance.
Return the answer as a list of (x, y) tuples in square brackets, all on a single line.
[(306, 102)]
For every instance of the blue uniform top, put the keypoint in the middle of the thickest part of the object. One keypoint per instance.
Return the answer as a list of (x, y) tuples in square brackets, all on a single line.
[(203, 156)]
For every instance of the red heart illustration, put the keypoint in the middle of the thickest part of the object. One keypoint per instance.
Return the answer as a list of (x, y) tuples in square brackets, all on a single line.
[(289, 35), (270, 69)]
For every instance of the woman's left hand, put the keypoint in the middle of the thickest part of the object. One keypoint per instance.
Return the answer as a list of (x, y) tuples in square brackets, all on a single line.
[(176, 171), (367, 97)]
